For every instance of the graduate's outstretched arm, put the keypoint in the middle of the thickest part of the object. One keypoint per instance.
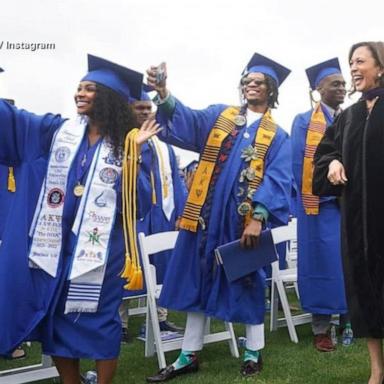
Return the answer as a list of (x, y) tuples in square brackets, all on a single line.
[(25, 136)]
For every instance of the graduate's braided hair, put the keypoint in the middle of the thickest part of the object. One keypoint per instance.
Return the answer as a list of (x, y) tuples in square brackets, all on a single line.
[(114, 115), (273, 91)]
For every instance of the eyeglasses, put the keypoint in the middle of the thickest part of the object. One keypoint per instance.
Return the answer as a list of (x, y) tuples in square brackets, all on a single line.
[(249, 80)]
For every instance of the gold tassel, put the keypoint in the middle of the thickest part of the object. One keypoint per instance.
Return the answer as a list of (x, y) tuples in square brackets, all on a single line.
[(11, 180), (140, 281), (127, 271), (132, 270)]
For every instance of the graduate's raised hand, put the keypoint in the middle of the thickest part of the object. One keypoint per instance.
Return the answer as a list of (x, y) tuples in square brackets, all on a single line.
[(149, 128), (336, 173), (251, 234), (157, 79)]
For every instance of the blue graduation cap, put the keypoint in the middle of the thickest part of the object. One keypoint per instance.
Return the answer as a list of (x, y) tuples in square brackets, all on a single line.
[(319, 71), (262, 64), (122, 80), (1, 70)]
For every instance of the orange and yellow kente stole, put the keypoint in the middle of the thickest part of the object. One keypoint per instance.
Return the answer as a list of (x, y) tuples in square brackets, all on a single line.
[(315, 133), (222, 128)]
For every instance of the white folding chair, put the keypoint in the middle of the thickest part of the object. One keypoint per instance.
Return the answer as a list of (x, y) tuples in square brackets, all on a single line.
[(150, 245), (30, 373), (286, 233), (140, 308)]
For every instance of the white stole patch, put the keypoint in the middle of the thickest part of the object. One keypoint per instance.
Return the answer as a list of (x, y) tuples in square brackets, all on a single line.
[(93, 227), (166, 180)]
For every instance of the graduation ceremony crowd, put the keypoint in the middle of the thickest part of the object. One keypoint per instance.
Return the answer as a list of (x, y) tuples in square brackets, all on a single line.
[(75, 193)]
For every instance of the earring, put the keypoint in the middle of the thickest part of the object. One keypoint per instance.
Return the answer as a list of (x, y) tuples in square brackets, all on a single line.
[(379, 75)]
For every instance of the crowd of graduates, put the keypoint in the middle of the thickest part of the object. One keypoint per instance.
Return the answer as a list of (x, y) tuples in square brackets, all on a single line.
[(77, 191)]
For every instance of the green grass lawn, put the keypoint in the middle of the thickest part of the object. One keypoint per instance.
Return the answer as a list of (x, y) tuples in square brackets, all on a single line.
[(284, 362)]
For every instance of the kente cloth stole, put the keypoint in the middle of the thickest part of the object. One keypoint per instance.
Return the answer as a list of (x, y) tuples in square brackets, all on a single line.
[(263, 140), (315, 133), (223, 126), (198, 193)]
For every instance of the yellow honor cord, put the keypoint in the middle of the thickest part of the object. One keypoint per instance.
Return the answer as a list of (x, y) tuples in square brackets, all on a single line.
[(132, 269), (11, 180), (154, 200)]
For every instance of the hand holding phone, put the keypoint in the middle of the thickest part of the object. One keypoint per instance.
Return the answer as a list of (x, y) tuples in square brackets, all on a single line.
[(161, 73)]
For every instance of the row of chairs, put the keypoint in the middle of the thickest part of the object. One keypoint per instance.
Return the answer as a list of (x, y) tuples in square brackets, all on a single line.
[(281, 279), (150, 245)]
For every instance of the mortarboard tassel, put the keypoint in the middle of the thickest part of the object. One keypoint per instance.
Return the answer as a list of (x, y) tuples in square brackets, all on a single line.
[(11, 180)]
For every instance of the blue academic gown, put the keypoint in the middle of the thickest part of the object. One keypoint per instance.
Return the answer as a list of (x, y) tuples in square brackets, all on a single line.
[(6, 198), (320, 273), (31, 301), (194, 282), (151, 218)]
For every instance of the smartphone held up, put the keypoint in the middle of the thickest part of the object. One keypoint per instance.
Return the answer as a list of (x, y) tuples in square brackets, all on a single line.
[(161, 73)]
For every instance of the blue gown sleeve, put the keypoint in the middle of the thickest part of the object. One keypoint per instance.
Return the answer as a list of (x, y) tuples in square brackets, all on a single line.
[(25, 136), (274, 192), (187, 128)]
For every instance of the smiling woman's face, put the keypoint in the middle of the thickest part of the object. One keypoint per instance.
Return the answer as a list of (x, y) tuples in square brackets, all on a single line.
[(85, 97), (365, 71)]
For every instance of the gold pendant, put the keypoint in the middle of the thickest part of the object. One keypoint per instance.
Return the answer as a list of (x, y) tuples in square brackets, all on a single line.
[(78, 190)]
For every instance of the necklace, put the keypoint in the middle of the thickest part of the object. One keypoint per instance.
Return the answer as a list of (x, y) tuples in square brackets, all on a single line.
[(242, 120)]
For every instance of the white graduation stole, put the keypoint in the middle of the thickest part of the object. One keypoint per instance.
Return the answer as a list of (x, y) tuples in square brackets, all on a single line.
[(93, 227), (93, 222), (166, 181), (46, 228)]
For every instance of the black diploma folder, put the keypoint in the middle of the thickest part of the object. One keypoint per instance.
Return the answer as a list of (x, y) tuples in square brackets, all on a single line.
[(239, 262)]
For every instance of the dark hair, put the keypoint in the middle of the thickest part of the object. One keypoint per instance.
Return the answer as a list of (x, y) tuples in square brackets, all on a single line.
[(114, 115), (273, 91), (377, 50)]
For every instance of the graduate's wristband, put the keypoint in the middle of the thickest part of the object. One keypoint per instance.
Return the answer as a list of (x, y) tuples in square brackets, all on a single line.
[(260, 213), (167, 105), (258, 217)]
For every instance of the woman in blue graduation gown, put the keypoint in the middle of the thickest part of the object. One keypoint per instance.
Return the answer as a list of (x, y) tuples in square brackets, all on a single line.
[(194, 282), (74, 317)]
